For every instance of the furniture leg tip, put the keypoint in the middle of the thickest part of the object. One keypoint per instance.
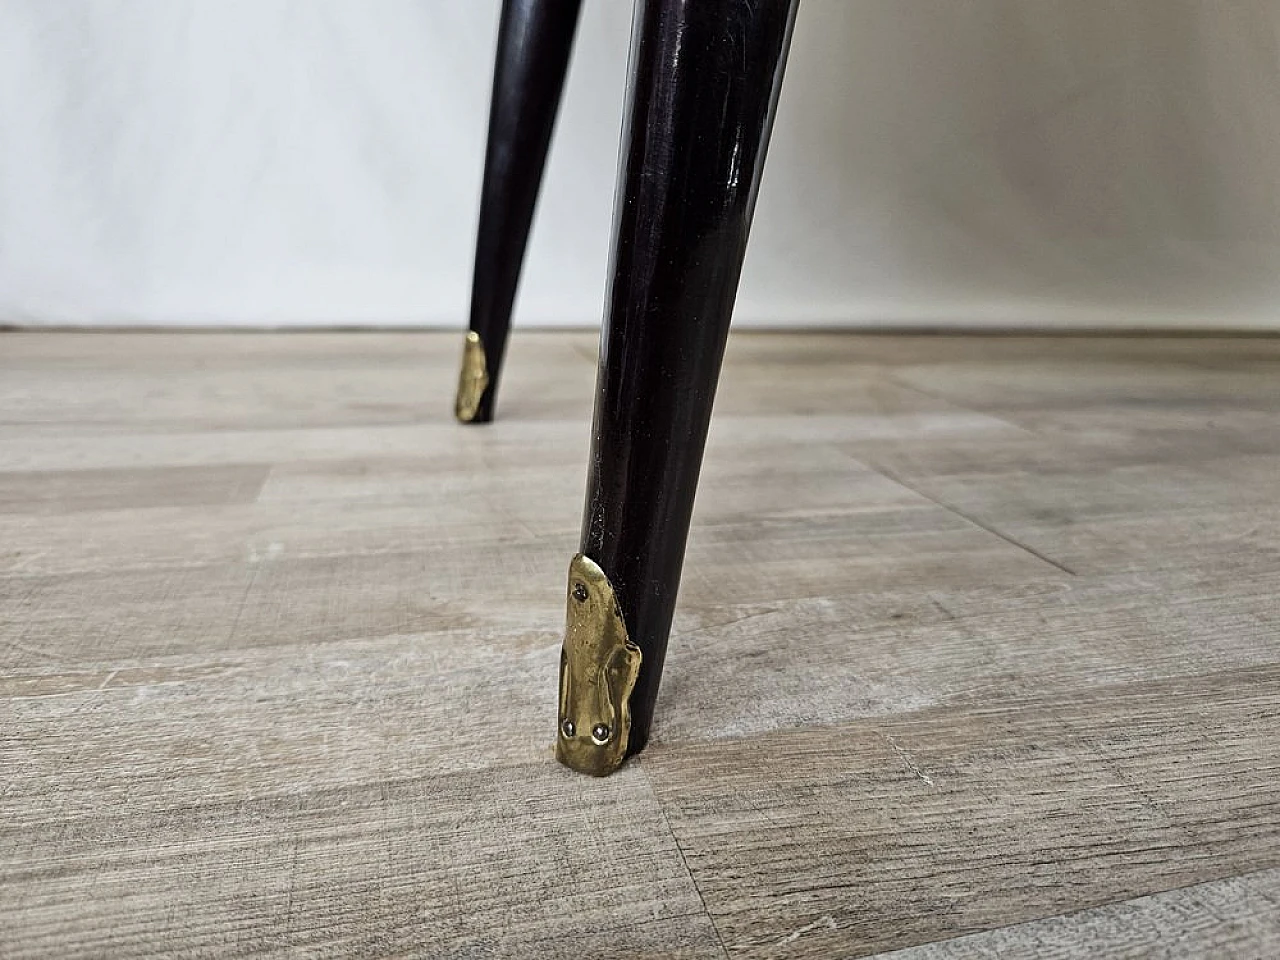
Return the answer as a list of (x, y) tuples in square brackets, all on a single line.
[(473, 381), (599, 666)]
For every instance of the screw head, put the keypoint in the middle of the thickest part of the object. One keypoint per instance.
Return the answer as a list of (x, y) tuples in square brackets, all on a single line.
[(568, 729), (600, 733), (580, 592)]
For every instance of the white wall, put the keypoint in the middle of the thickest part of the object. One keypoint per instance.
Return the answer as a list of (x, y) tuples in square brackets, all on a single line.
[(935, 161)]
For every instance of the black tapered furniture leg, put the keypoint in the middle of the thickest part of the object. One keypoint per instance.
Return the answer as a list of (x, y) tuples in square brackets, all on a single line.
[(535, 38), (703, 89)]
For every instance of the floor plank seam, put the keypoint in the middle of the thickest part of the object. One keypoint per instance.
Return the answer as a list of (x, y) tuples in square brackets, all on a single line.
[(953, 402), (1012, 541), (684, 862)]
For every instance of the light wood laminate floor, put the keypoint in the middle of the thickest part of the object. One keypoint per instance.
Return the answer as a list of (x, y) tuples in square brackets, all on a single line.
[(977, 655)]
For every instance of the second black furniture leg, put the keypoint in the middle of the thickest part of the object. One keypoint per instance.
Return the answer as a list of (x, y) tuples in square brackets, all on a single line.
[(703, 88), (535, 38)]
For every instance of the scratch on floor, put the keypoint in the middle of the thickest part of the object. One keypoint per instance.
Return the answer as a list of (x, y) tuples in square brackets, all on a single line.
[(907, 762), (244, 599), (941, 607), (826, 922), (730, 623)]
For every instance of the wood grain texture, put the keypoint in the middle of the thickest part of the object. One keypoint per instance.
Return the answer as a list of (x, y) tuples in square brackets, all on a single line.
[(917, 826), (977, 654), (1221, 918), (429, 866), (64, 492)]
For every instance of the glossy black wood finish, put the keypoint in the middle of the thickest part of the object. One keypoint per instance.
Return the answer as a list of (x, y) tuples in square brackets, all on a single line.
[(703, 89), (535, 38)]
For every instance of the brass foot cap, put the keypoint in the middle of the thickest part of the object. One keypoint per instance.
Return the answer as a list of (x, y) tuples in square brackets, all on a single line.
[(473, 380), (598, 669)]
